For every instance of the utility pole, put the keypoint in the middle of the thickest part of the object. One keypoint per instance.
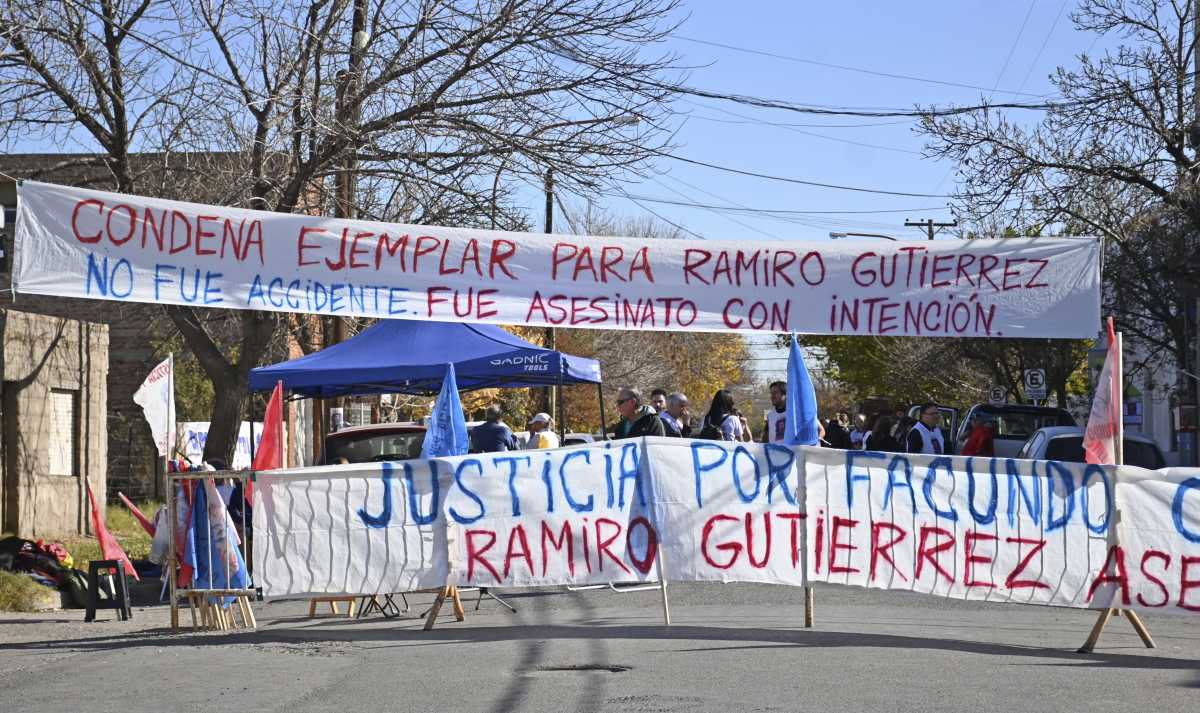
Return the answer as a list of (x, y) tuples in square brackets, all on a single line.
[(1194, 387), (550, 336), (929, 223), (348, 84)]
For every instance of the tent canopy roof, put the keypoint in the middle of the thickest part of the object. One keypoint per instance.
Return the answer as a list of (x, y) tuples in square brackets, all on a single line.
[(410, 357)]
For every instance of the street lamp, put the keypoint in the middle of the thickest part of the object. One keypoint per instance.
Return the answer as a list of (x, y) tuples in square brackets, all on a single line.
[(863, 235)]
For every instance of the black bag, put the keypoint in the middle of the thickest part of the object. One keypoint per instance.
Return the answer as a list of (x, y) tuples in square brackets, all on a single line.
[(710, 432)]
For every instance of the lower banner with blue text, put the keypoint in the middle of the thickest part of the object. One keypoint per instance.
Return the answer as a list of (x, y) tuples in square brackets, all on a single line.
[(1004, 530)]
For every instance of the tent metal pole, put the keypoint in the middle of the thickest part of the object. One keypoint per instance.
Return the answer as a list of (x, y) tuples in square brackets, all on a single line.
[(562, 408), (603, 420)]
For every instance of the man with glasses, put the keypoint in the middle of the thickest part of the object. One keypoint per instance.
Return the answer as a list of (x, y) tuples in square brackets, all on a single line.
[(925, 436), (636, 419)]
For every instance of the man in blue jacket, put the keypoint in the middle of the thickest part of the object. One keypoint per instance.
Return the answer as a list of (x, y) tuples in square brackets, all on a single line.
[(492, 436)]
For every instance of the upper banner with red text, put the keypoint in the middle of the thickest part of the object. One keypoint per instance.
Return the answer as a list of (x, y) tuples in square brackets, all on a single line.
[(79, 243)]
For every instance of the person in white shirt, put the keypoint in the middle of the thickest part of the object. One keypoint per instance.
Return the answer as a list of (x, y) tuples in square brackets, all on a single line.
[(925, 436), (722, 423), (775, 430), (541, 433)]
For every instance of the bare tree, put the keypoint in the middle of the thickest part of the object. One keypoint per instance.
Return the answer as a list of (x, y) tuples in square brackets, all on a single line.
[(426, 101), (1116, 154)]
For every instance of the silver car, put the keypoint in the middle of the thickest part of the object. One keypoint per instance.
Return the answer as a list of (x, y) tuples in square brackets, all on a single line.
[(1065, 443)]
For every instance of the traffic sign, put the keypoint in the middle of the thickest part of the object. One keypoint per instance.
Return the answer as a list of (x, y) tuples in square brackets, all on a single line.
[(1035, 383), (997, 396)]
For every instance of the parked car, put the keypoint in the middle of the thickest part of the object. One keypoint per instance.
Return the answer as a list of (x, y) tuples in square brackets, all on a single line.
[(1014, 424), (375, 442), (1065, 443), (575, 439)]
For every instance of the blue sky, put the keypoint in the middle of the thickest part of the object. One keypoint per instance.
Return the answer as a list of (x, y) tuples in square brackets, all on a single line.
[(1010, 46)]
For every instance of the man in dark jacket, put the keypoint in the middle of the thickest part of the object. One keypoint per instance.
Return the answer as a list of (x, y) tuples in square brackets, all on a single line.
[(636, 420), (492, 436)]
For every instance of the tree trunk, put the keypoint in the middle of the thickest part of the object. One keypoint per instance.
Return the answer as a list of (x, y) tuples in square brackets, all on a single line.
[(229, 393)]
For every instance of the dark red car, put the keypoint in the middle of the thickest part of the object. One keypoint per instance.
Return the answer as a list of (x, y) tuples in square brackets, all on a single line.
[(373, 443)]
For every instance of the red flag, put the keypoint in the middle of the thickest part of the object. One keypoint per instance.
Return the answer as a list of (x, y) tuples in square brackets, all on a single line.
[(110, 549), (1104, 422), (137, 514), (269, 455)]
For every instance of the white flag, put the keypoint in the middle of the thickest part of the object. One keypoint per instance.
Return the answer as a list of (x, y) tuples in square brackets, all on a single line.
[(156, 396), (1103, 426)]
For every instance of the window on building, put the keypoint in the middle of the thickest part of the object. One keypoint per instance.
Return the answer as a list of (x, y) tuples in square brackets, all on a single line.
[(64, 432)]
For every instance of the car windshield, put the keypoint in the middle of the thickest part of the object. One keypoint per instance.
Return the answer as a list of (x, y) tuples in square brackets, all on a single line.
[(1070, 449), (375, 447), (1020, 425)]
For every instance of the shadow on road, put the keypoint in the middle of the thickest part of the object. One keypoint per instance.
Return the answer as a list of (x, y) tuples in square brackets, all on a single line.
[(536, 634)]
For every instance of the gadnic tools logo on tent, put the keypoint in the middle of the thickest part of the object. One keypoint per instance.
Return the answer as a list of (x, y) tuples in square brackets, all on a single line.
[(531, 362)]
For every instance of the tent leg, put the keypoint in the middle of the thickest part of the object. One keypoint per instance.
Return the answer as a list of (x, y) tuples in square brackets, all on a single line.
[(603, 421), (562, 410)]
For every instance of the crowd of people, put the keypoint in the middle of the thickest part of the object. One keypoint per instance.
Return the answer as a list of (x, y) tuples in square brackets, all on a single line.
[(899, 433), (669, 414)]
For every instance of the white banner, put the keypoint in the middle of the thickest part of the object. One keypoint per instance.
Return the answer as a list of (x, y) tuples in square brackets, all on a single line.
[(1032, 532), (729, 511), (361, 529), (541, 517), (156, 396), (192, 435), (967, 528), (79, 243)]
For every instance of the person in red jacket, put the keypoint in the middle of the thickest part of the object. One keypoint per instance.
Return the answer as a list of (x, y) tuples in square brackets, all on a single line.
[(980, 439)]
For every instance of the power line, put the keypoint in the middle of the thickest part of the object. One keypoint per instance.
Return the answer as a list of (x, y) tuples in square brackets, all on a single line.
[(885, 112), (799, 181), (668, 221), (779, 211), (813, 133), (1045, 41), (785, 124), (733, 220), (807, 221), (1013, 48), (1003, 68), (860, 70)]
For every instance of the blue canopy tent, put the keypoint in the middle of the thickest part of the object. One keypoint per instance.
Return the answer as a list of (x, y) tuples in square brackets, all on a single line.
[(410, 357)]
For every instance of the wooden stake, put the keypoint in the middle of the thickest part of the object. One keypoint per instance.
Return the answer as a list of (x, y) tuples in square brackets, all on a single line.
[(431, 618), (459, 613), (810, 602)]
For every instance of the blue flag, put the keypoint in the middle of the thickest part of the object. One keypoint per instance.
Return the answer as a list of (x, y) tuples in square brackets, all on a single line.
[(800, 426), (447, 434)]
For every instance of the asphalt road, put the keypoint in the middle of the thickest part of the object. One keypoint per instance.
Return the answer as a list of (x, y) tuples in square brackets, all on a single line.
[(731, 648)]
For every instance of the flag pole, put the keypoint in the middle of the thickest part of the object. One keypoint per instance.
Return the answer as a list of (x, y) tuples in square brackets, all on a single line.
[(1116, 410)]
